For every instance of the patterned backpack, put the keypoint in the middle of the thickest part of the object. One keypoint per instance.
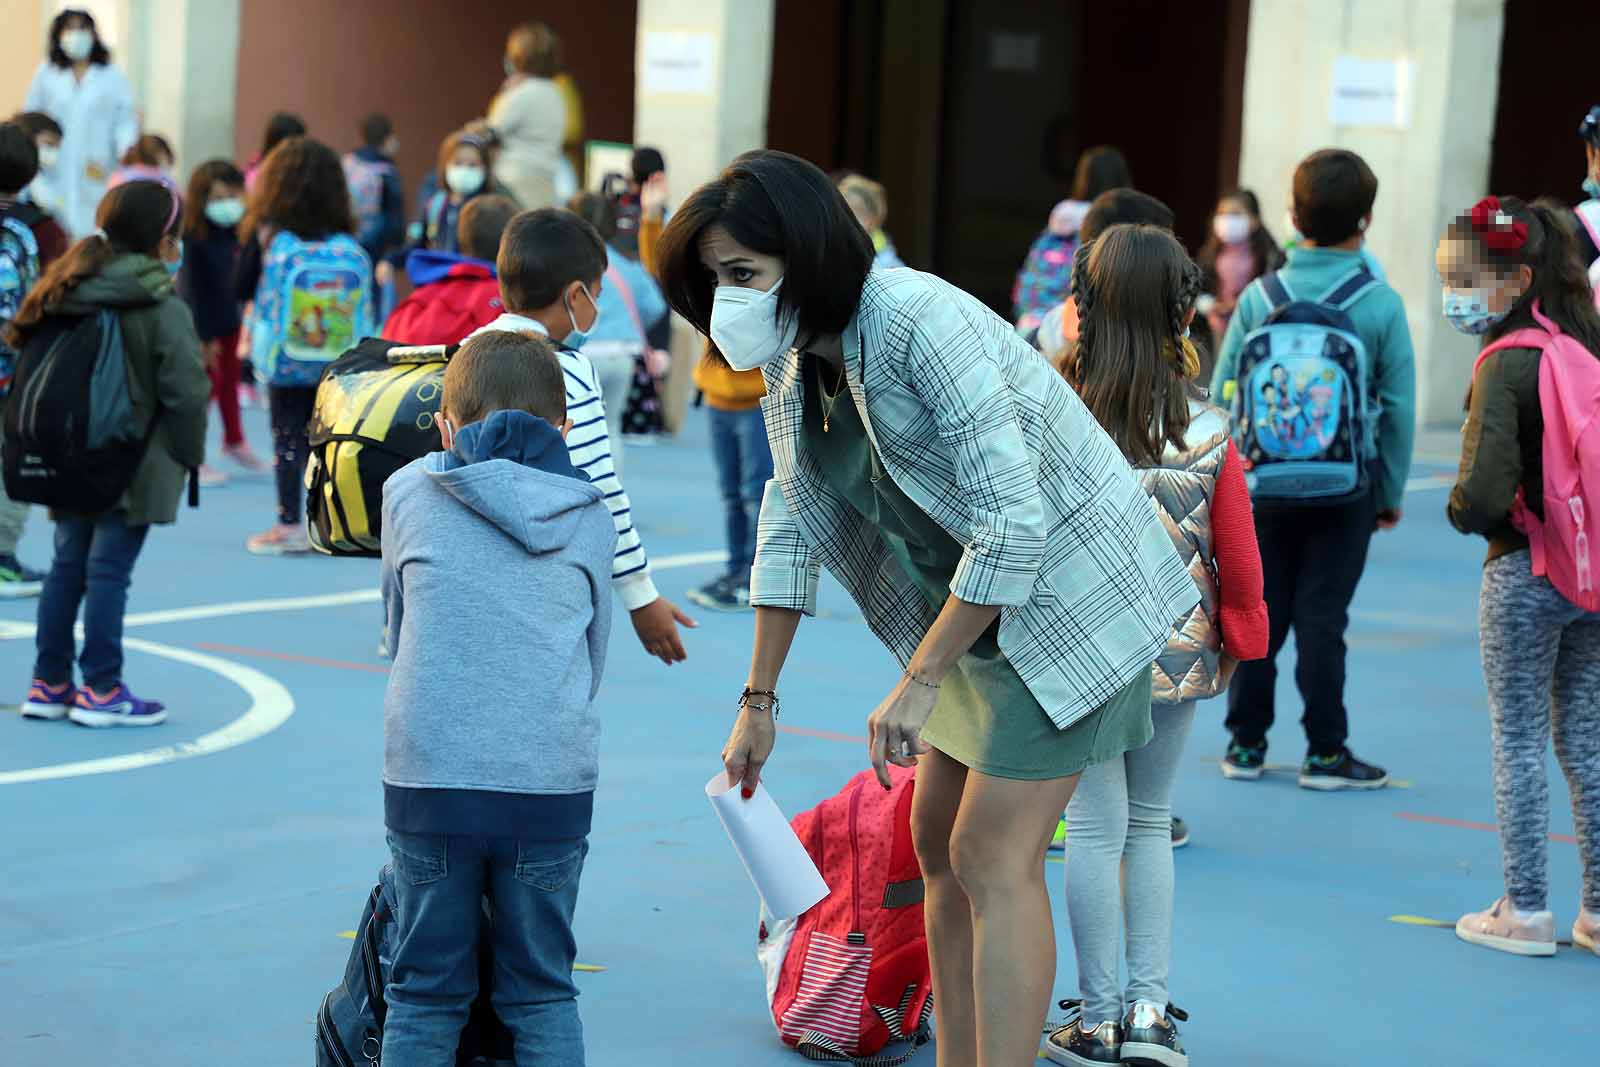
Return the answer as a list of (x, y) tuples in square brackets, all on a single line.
[(19, 270), (1301, 400), (366, 179), (1045, 279), (851, 975), (313, 304)]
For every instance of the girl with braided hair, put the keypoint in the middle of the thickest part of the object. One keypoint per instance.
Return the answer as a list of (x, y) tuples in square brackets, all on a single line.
[(1135, 369)]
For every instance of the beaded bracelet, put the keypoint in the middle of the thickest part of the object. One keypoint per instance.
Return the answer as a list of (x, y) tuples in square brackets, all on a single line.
[(919, 681), (770, 694)]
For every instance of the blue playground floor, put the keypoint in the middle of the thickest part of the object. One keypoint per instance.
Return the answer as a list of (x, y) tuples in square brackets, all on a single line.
[(187, 909)]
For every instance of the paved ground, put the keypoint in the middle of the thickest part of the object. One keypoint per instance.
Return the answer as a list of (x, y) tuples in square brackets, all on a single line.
[(188, 911)]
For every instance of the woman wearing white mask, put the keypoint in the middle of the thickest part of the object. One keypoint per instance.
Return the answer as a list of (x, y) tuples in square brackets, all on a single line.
[(990, 532), (78, 87), (530, 115)]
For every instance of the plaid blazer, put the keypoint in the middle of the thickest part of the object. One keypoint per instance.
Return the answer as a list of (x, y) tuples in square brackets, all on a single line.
[(983, 435)]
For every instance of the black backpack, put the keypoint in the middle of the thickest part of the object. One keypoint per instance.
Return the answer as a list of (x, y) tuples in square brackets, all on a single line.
[(72, 440), (375, 412), (350, 1021)]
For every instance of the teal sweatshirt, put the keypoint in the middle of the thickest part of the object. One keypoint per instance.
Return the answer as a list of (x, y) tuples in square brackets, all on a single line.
[(1380, 321)]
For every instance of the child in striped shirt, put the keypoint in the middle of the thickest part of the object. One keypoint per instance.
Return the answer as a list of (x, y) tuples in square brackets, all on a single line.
[(551, 265)]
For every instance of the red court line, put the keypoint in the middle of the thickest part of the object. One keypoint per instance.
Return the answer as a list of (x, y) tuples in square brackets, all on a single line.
[(824, 735), (1462, 824), (287, 657)]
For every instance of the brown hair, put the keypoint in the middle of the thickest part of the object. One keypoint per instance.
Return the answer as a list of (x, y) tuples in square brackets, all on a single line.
[(1560, 278), (865, 197), (599, 211), (301, 189), (207, 174), (534, 49), (447, 148), (501, 370), (483, 222), (132, 217), (1334, 190), (147, 152), (542, 253), (1135, 286)]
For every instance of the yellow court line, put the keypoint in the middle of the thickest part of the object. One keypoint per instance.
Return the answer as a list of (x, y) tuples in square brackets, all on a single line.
[(1419, 920)]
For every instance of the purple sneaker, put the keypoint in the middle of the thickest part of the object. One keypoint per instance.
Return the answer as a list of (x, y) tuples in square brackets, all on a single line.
[(51, 702), (116, 707)]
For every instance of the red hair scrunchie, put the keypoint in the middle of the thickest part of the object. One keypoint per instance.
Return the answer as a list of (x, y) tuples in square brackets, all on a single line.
[(1499, 231)]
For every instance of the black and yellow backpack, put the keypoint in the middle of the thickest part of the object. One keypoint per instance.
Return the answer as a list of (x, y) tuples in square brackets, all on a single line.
[(375, 412)]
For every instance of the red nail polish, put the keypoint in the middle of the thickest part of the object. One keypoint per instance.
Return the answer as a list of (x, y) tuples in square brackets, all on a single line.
[(747, 792)]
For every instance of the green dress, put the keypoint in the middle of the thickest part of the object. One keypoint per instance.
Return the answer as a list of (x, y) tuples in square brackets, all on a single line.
[(986, 718)]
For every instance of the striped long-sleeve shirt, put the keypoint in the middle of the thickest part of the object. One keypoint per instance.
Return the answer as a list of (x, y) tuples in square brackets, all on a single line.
[(590, 446)]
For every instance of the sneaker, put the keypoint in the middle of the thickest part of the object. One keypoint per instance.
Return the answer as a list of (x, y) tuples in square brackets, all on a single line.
[(1341, 771), (722, 595), (281, 540), (1150, 1038), (1180, 832), (49, 702), (1500, 927), (17, 581), (244, 457), (1058, 843), (116, 707), (1244, 761), (1586, 931), (1076, 1046), (210, 477)]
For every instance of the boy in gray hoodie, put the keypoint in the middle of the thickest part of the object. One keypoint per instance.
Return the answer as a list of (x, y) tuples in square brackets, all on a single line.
[(496, 582)]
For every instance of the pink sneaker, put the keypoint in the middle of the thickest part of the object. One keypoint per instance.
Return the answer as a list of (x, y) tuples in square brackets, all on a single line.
[(210, 477), (1499, 928), (281, 540), (1586, 931)]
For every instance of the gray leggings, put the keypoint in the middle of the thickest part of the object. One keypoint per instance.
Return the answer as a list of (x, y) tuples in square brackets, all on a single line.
[(1541, 665), (1119, 824)]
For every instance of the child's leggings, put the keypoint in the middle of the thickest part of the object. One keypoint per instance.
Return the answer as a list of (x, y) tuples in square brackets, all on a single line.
[(225, 388), (1119, 869), (1541, 664), (291, 412)]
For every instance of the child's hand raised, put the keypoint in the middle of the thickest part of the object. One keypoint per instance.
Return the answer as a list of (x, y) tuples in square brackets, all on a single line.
[(653, 195)]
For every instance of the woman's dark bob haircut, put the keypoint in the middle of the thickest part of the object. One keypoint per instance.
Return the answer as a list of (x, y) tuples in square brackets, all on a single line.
[(98, 57), (778, 205)]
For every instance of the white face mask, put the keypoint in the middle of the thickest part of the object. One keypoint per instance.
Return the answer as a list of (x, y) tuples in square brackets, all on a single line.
[(464, 181), (226, 212), (745, 327), (77, 44), (1231, 229), (48, 154)]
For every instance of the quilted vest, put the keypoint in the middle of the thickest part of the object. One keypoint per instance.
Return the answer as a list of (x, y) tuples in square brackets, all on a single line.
[(1183, 486)]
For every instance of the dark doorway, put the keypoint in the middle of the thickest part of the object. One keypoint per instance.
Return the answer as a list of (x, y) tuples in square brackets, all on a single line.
[(1547, 84)]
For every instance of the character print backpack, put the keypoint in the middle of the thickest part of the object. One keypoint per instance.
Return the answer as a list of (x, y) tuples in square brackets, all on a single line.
[(1565, 545), (1304, 417), (366, 179), (850, 976), (314, 302), (19, 270)]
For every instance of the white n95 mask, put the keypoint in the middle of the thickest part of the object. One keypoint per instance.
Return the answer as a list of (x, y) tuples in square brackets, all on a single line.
[(745, 327)]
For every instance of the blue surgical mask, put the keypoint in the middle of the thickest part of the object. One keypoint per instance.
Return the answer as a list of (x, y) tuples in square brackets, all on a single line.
[(174, 266), (577, 337), (1592, 187), (1468, 311)]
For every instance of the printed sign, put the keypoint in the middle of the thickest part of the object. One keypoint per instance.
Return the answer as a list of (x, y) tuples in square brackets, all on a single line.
[(678, 62), (1371, 92)]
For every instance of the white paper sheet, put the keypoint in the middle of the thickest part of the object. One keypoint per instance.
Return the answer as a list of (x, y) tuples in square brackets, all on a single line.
[(777, 862)]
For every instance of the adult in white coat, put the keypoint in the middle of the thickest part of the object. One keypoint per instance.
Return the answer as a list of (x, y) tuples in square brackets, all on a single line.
[(78, 87)]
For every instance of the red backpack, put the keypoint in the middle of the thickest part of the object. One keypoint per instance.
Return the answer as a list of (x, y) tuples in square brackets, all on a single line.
[(851, 975), (1565, 544)]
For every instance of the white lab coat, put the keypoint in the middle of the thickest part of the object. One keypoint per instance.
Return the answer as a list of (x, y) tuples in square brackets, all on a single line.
[(98, 124)]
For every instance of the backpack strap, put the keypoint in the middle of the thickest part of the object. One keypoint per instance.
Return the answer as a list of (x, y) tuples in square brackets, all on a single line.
[(1350, 288), (1275, 290)]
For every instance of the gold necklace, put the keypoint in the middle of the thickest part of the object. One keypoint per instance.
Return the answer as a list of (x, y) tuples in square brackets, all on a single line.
[(829, 402)]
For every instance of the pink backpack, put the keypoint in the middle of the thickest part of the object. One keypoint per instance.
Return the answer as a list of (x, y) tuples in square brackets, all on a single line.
[(1564, 545), (851, 975)]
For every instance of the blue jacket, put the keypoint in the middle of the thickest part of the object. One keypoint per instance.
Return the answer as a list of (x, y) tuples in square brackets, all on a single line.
[(616, 324), (496, 583)]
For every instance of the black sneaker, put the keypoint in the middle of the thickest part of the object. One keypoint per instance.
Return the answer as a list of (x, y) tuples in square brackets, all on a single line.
[(1341, 771), (1151, 1039), (1244, 761), (1180, 832), (721, 595), (18, 581), (1074, 1046)]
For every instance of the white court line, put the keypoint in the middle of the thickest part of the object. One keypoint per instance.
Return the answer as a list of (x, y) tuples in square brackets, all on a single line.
[(270, 702), (1424, 482)]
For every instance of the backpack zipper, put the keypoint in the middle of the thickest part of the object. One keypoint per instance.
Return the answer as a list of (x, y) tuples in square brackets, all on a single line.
[(330, 1039), (855, 861), (36, 384)]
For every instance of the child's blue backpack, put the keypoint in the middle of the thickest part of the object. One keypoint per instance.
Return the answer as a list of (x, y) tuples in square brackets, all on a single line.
[(1045, 279), (1304, 416), (19, 270), (366, 179), (314, 303)]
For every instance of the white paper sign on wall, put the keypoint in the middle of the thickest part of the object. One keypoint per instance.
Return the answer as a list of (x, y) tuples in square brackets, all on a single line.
[(1371, 92), (678, 62)]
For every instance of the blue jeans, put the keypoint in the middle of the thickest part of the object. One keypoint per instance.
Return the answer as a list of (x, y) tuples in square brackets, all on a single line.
[(93, 566), (744, 466), (440, 882)]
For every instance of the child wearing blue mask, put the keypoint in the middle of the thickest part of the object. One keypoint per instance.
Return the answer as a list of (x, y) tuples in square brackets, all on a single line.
[(551, 266), (486, 792)]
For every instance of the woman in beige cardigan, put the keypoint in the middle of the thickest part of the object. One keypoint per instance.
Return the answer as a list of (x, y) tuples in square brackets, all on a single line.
[(530, 115)]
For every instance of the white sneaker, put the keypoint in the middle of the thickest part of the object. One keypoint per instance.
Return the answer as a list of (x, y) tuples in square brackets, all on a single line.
[(1586, 931), (1499, 928)]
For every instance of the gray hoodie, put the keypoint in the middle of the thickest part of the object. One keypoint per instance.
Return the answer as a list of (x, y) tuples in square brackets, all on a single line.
[(496, 582)]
